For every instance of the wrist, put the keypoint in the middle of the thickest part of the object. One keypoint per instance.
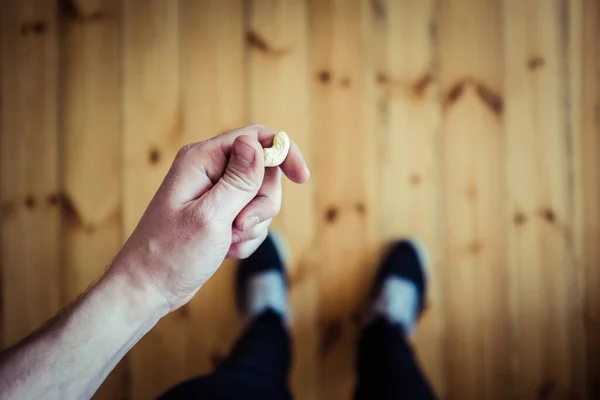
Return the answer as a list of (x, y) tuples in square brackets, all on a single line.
[(137, 294)]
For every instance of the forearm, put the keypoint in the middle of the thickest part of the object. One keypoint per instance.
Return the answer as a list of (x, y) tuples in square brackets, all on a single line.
[(73, 354)]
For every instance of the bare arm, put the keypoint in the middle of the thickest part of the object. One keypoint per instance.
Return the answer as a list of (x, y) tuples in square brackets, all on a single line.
[(71, 356), (216, 201)]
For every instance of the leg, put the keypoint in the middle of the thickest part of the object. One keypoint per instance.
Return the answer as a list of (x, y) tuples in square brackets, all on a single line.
[(386, 365), (259, 363), (257, 368)]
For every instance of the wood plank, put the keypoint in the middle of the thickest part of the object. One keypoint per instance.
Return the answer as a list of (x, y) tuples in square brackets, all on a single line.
[(90, 113), (279, 97), (410, 116), (212, 67), (152, 125), (546, 326), (475, 288), (29, 158), (346, 181), (584, 80)]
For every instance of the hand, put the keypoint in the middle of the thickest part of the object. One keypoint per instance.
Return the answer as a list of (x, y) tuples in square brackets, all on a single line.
[(216, 201)]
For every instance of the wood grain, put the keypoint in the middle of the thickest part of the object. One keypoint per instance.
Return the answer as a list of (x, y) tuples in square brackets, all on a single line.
[(584, 80), (469, 124), (279, 97), (475, 287), (31, 288), (152, 136), (346, 186), (548, 310), (90, 114), (409, 159), (212, 65)]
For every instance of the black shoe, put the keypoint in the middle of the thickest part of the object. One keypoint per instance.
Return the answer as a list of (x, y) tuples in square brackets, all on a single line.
[(269, 256), (405, 259)]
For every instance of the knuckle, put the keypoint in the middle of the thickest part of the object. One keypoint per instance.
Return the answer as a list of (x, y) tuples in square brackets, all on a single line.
[(246, 249), (185, 153), (185, 150), (276, 207), (239, 180), (239, 251), (247, 235), (254, 233), (243, 254), (270, 208)]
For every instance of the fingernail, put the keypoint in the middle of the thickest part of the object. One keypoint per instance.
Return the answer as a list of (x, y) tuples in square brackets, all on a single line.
[(243, 153), (307, 170), (235, 239), (250, 222)]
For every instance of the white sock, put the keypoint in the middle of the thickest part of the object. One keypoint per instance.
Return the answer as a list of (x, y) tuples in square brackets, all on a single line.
[(266, 290), (398, 302)]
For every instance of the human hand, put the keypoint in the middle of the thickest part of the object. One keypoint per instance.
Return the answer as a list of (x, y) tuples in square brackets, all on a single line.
[(216, 201)]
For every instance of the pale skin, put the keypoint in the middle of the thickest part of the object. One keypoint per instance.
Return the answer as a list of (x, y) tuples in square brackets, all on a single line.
[(216, 201)]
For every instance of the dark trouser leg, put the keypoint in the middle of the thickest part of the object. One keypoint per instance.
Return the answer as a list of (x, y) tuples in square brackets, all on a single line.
[(257, 368), (387, 367)]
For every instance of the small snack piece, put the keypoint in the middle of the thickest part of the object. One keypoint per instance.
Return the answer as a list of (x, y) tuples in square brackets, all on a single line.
[(277, 153)]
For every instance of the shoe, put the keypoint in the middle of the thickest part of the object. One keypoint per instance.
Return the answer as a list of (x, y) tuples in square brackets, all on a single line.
[(398, 294), (261, 271), (406, 259)]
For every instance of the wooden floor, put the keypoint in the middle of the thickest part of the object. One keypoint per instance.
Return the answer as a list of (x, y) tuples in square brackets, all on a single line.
[(471, 124)]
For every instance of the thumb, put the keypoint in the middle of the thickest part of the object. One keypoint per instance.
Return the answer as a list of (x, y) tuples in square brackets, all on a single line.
[(241, 180)]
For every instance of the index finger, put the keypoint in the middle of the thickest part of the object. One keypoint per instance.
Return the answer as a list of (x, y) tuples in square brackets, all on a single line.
[(294, 166)]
